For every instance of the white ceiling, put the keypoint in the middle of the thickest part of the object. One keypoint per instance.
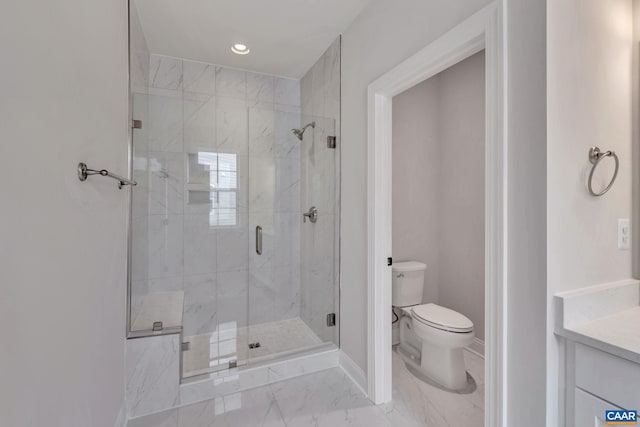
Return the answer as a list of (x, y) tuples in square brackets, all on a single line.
[(286, 37)]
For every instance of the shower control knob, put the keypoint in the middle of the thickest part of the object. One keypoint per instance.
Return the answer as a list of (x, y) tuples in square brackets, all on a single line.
[(312, 215)]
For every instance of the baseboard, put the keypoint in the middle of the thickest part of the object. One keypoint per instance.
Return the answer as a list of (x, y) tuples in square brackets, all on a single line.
[(121, 421), (353, 371), (477, 347)]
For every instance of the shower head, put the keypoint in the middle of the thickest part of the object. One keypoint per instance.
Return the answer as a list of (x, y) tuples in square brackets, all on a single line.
[(300, 132)]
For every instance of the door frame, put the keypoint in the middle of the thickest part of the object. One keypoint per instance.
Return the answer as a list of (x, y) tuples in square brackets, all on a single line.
[(482, 30)]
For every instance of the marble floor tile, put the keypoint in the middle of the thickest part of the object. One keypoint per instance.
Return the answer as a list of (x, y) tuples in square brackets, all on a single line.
[(324, 395), (418, 403), (329, 398), (256, 407)]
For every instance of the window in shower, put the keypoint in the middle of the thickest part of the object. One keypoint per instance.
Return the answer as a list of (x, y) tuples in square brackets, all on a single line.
[(213, 181)]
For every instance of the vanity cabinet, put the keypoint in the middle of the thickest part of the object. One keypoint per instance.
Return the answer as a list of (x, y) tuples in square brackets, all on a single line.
[(589, 410), (597, 381)]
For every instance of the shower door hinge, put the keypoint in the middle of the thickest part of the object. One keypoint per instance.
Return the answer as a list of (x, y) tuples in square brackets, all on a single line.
[(185, 346), (389, 261), (331, 142), (331, 319), (136, 124), (254, 345)]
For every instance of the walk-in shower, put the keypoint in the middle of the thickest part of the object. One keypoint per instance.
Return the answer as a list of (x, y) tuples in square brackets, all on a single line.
[(220, 249)]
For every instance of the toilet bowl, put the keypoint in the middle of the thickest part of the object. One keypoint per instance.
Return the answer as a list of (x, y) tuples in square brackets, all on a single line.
[(432, 337), (441, 343)]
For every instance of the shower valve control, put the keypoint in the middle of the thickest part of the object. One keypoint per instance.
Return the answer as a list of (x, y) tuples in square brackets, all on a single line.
[(312, 215)]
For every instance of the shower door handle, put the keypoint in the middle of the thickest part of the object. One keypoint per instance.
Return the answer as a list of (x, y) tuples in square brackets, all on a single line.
[(259, 240)]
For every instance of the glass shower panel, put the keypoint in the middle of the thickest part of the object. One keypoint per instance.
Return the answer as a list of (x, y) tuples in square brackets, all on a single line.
[(190, 235), (319, 307), (156, 256), (277, 164)]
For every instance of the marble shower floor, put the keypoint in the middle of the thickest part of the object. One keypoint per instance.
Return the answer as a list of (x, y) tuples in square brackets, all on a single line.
[(329, 398), (276, 338)]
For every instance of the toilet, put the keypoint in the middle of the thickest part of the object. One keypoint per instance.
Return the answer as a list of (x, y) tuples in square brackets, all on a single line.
[(432, 337)]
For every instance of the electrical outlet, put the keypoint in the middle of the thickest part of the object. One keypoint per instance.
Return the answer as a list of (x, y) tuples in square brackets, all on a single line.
[(624, 234)]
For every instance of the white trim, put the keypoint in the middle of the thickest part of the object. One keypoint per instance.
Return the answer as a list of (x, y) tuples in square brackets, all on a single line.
[(353, 371), (477, 347), (481, 31)]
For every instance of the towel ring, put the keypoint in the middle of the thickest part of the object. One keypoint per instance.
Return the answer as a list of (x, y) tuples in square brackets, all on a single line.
[(595, 156)]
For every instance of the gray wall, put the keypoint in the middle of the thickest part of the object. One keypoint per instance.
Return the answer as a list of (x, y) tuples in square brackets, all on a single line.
[(63, 242), (461, 196), (438, 185), (417, 150)]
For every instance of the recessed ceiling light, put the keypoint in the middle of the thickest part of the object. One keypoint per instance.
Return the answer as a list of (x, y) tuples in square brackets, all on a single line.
[(240, 49)]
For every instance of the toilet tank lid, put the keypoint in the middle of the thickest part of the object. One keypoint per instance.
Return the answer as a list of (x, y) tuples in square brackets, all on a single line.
[(409, 266)]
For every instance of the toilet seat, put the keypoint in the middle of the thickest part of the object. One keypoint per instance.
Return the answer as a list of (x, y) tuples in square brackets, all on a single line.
[(441, 318)]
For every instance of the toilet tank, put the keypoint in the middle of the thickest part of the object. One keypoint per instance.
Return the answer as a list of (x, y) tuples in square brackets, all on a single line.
[(408, 283)]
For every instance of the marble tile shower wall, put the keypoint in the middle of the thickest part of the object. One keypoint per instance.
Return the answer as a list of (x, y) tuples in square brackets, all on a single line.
[(320, 96), (199, 115)]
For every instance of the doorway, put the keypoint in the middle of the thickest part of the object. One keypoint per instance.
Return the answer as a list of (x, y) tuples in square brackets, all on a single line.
[(480, 32), (438, 142)]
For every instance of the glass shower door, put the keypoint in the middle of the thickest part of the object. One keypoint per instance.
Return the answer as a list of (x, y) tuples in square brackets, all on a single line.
[(284, 309), (216, 190)]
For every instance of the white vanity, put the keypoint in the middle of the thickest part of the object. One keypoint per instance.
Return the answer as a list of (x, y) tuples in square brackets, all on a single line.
[(601, 329)]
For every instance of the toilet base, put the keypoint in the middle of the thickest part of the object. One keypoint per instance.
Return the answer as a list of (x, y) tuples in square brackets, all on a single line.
[(414, 365), (445, 365)]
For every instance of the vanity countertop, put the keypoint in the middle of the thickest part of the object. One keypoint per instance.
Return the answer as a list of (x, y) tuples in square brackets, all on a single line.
[(606, 317), (618, 334)]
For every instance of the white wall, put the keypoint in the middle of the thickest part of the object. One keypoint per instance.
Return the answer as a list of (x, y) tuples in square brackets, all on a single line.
[(384, 35), (438, 185), (589, 103), (63, 242)]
